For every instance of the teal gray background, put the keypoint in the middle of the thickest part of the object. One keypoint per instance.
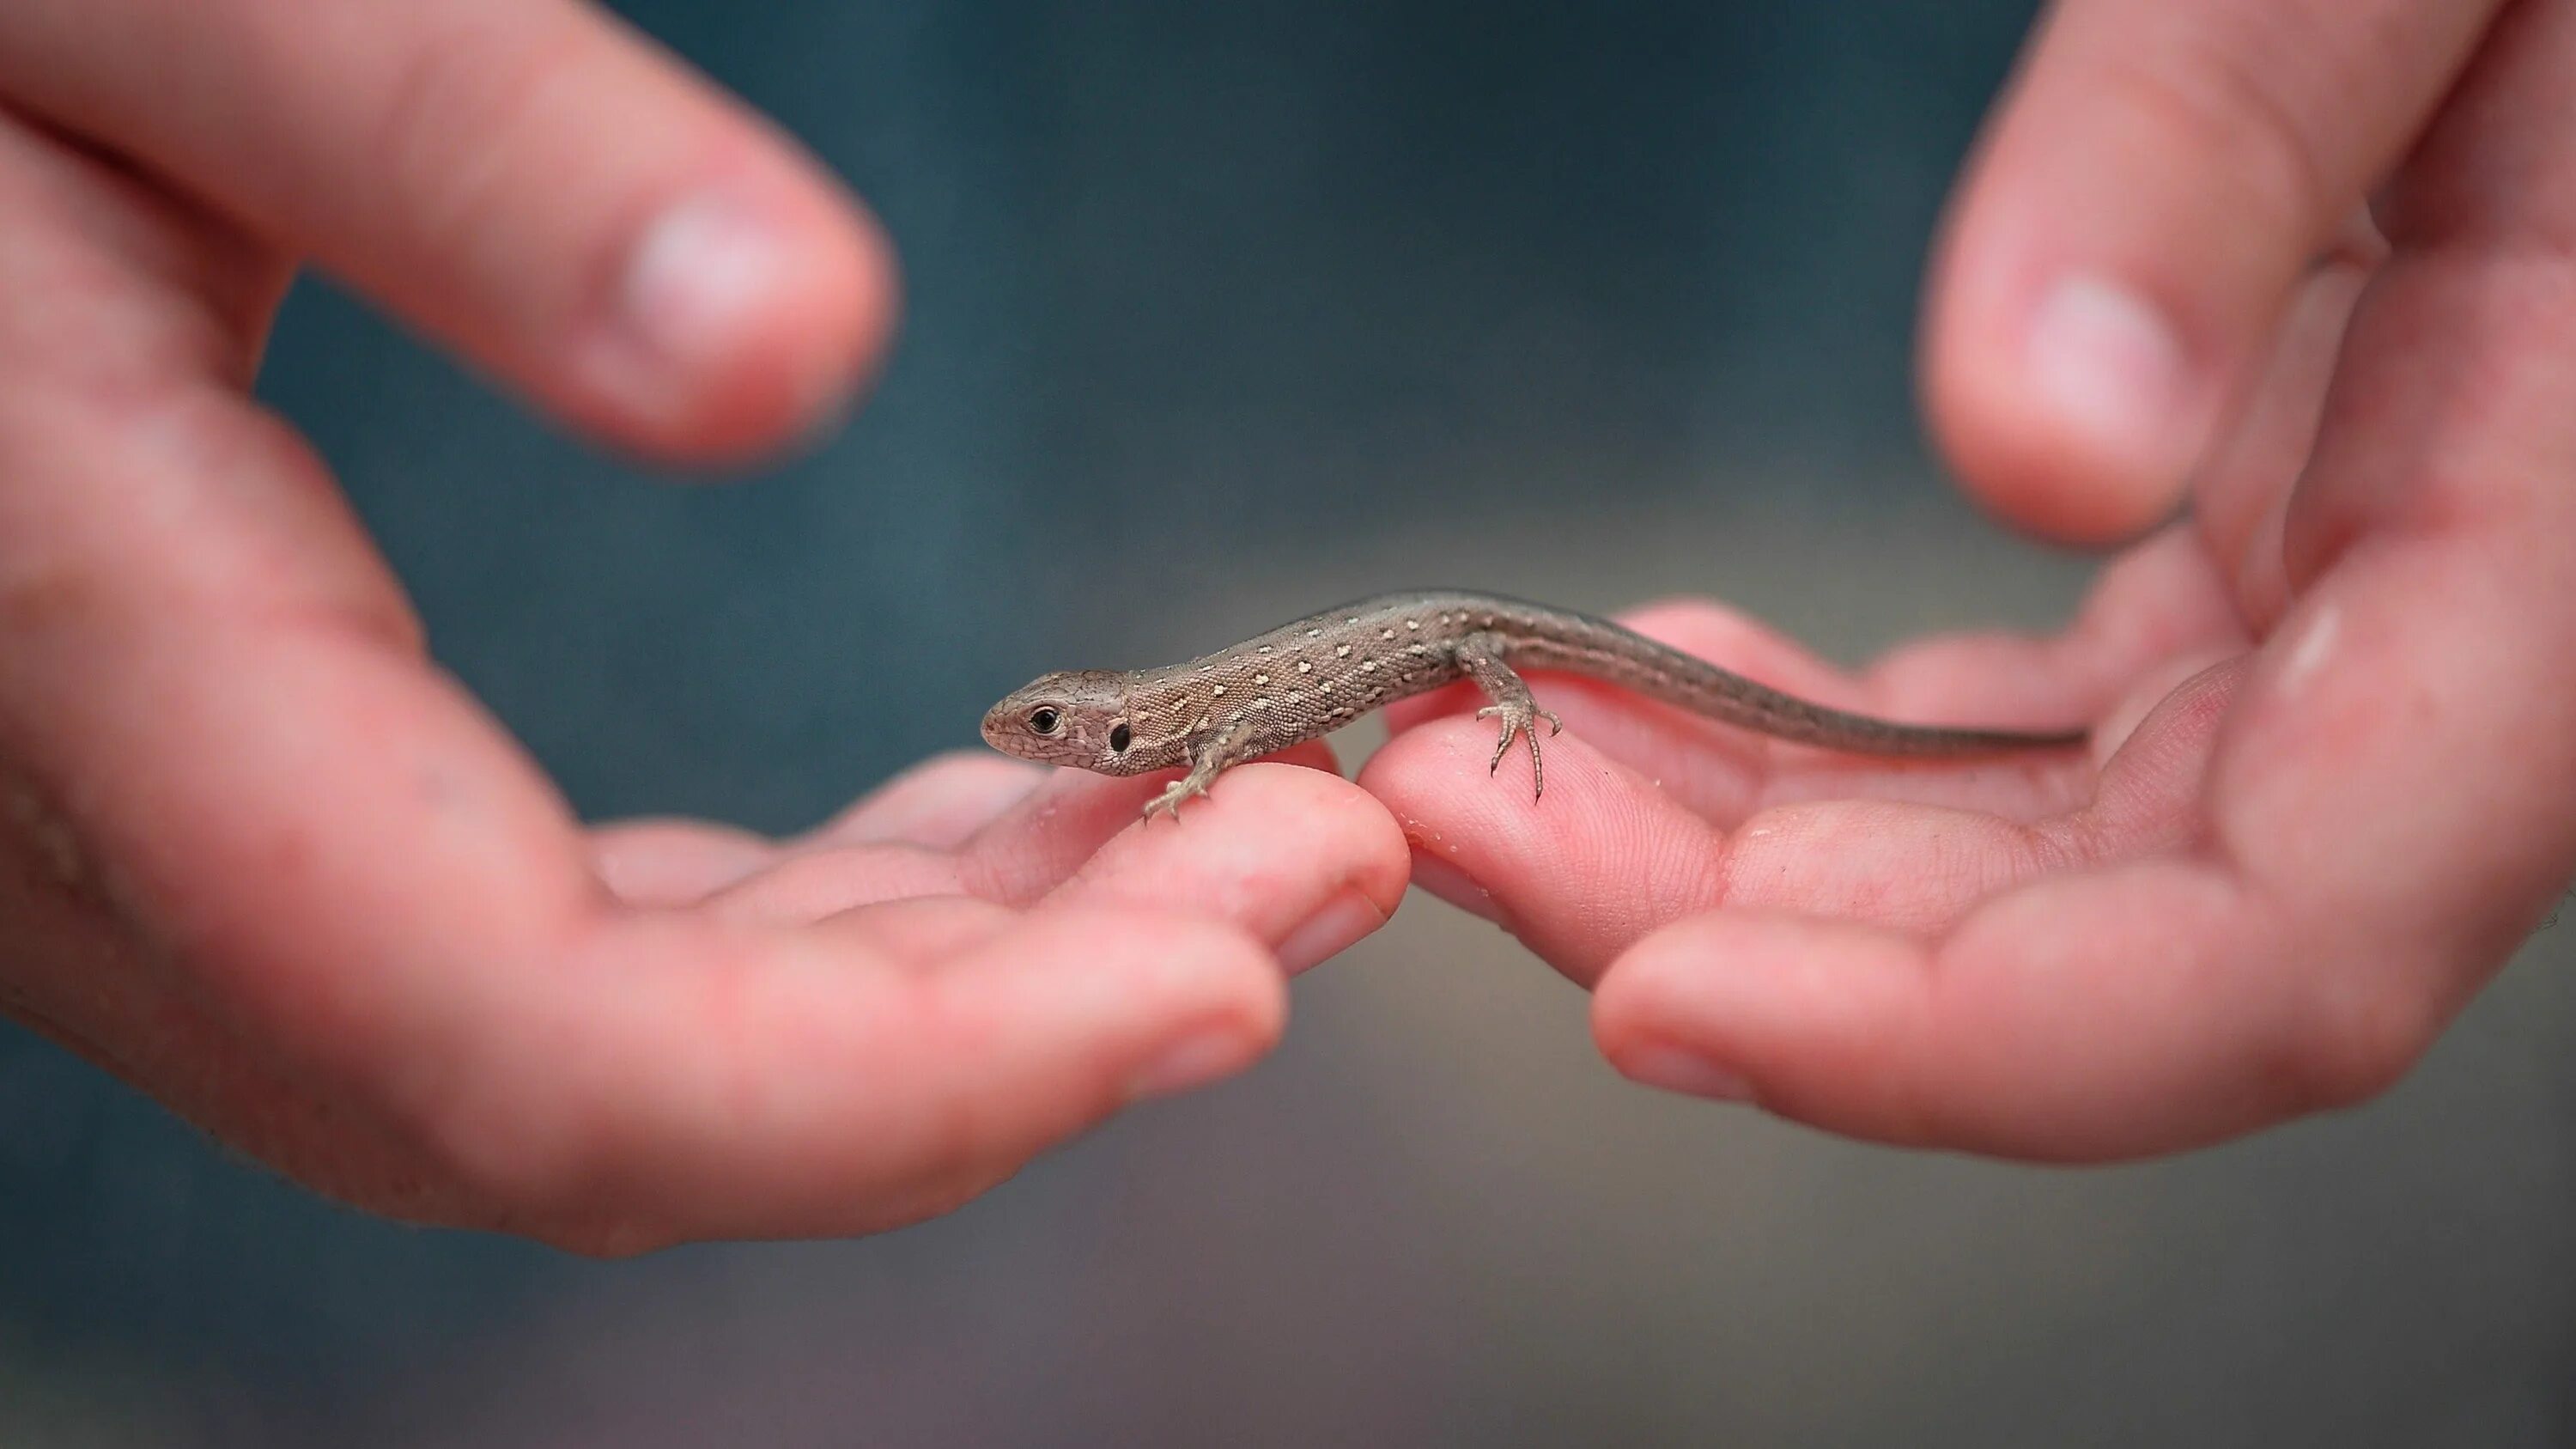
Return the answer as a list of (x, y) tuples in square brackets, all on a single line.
[(1214, 314)]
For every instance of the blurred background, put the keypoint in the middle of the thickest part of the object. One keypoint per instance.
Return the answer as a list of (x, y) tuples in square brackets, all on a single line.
[(1215, 315)]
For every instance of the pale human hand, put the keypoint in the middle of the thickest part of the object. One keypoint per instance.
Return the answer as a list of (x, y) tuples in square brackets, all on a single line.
[(2335, 784), (261, 858)]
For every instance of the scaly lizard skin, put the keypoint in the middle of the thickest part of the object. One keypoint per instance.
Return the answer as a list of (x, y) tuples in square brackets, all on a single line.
[(1302, 681)]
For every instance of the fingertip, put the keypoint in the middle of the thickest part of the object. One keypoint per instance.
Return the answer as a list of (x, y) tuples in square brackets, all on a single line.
[(1806, 1016), (2155, 184), (1457, 887), (1298, 856), (1349, 917), (1680, 1070), (1581, 872), (2077, 413), (1186, 999), (746, 312), (532, 181)]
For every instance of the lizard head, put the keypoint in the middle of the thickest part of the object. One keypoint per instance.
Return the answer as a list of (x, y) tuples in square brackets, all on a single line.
[(1074, 717)]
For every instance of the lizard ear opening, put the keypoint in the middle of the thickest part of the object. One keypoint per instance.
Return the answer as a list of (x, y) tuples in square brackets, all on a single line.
[(1120, 738)]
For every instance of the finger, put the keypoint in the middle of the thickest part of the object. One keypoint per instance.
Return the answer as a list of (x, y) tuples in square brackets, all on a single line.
[(679, 1080), (2084, 1018), (924, 932), (674, 862), (1299, 857), (1304, 860), (1056, 829), (1597, 862), (2241, 501), (798, 887), (939, 803), (523, 178), (898, 843), (2157, 180)]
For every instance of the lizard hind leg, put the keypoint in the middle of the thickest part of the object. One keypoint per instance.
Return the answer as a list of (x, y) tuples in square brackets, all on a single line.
[(1480, 658)]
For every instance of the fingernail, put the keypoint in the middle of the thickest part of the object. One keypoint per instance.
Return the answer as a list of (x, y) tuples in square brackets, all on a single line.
[(1205, 1055), (1687, 1072), (1455, 886), (2113, 367), (1344, 919), (696, 277)]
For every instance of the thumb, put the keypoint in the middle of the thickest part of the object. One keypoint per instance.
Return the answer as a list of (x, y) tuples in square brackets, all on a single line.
[(2159, 177), (524, 179)]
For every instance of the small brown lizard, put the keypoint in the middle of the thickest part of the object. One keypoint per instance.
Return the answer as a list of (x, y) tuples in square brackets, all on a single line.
[(1302, 681)]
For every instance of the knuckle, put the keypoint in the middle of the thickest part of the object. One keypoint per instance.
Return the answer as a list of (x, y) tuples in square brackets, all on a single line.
[(456, 126), (2223, 107)]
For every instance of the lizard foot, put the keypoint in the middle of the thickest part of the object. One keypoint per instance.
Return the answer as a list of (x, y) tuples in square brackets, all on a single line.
[(1173, 794), (1521, 718)]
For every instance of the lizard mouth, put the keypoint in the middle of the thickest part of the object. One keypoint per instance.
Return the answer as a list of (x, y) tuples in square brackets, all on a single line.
[(1001, 737)]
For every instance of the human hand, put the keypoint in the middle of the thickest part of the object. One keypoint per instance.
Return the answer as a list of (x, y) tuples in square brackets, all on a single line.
[(261, 859), (2334, 777)]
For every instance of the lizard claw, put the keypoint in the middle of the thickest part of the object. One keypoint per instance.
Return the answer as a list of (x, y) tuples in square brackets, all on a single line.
[(1172, 796), (1517, 720)]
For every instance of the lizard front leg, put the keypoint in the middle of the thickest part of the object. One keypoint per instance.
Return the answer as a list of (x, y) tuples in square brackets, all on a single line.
[(1211, 755), (1480, 658)]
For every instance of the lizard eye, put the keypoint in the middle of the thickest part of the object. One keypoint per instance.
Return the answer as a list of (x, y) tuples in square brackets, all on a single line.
[(1119, 738), (1044, 719)]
